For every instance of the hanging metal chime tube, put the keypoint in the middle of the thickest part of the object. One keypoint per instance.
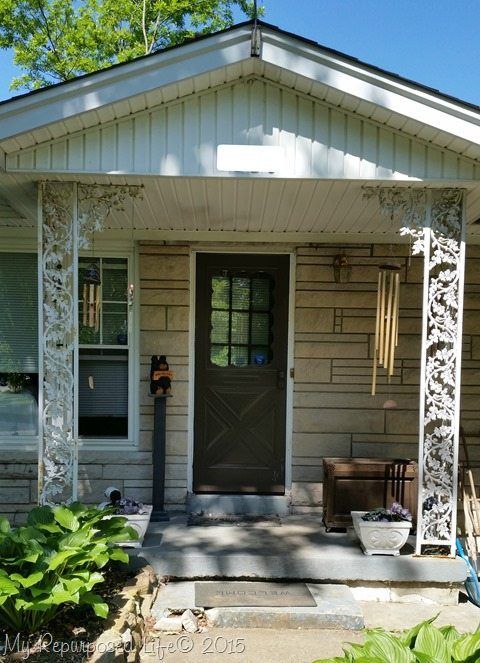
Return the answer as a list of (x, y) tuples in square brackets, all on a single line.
[(91, 297), (386, 324)]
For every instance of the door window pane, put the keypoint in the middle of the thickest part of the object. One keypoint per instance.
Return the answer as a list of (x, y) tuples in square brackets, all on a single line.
[(220, 327), (239, 355), (260, 328), (220, 292), (261, 294), (240, 328), (241, 319), (260, 355), (241, 293), (219, 355)]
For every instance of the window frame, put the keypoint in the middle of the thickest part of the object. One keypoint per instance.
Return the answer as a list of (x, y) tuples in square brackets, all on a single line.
[(28, 444), (131, 347)]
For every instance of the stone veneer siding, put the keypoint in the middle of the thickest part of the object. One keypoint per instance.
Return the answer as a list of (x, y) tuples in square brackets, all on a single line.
[(334, 413), (164, 321)]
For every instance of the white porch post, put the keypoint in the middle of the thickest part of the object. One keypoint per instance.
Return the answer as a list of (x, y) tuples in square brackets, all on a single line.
[(58, 306), (443, 286), (69, 213), (435, 218)]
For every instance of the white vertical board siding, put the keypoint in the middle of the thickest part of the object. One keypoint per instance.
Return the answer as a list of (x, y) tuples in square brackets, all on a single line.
[(181, 137)]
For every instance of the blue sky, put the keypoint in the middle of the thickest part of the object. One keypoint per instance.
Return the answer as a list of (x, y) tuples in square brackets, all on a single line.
[(434, 42)]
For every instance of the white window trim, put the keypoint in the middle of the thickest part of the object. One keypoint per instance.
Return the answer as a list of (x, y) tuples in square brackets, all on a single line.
[(29, 444)]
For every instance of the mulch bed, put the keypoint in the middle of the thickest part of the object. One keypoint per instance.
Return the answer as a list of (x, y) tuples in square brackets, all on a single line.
[(73, 630)]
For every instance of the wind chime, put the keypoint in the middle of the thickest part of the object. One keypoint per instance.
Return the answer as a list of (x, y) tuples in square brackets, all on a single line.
[(386, 327), (92, 297)]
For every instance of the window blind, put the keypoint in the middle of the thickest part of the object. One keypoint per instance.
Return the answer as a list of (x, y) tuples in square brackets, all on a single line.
[(109, 378), (18, 313)]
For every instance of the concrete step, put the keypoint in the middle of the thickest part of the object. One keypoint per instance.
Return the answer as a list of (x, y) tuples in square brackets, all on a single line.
[(299, 549), (224, 505), (336, 608)]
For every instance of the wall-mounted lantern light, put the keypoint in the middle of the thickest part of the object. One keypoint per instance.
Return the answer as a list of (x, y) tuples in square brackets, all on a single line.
[(342, 270)]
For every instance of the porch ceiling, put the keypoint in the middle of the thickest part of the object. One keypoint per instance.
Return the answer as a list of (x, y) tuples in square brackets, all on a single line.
[(9, 216), (272, 209)]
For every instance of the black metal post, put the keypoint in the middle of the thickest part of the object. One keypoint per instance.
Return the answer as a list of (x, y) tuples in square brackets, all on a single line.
[(158, 457)]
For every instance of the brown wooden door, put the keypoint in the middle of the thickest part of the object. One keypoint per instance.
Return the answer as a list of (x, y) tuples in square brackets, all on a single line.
[(240, 373)]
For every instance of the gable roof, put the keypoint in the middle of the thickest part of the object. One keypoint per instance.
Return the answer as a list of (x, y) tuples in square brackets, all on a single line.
[(261, 24), (225, 56)]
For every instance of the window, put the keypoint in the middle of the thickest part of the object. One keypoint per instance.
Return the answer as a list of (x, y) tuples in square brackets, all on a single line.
[(241, 319), (104, 352), (18, 345)]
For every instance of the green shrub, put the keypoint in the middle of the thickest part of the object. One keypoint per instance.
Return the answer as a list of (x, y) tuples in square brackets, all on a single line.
[(424, 643), (52, 562)]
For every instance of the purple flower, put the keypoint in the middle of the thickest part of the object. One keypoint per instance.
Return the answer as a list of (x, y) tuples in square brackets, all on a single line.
[(396, 513), (128, 506), (399, 512)]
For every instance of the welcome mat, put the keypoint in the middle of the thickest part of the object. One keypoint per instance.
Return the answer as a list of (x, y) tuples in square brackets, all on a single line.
[(253, 594), (239, 521)]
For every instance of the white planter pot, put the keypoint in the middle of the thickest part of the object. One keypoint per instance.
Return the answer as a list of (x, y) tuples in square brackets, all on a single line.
[(380, 538), (139, 522)]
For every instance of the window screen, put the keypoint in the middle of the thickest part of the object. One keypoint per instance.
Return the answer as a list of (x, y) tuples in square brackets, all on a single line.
[(241, 319)]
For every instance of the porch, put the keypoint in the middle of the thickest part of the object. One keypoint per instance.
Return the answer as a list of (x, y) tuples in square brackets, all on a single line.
[(297, 547), (330, 410)]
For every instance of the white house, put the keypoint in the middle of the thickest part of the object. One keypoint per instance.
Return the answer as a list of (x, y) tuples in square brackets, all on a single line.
[(212, 185)]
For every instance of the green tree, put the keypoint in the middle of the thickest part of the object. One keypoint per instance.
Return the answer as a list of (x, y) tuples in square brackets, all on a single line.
[(55, 40)]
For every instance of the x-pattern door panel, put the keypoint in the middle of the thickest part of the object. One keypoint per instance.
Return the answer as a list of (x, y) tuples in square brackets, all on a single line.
[(241, 356)]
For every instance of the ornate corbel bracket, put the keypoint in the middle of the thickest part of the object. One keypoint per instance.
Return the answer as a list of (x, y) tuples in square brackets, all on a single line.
[(95, 202), (407, 207)]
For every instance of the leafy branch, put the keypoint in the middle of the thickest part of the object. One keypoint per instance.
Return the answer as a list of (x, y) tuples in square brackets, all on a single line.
[(56, 40)]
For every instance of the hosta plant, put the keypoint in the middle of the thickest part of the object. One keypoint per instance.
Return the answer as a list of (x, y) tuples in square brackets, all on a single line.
[(54, 561), (424, 643)]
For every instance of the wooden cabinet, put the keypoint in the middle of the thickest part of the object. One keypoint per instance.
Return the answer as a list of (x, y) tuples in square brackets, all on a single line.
[(361, 484)]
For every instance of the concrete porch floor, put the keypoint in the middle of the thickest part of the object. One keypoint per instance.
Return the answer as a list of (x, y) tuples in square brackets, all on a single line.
[(297, 549)]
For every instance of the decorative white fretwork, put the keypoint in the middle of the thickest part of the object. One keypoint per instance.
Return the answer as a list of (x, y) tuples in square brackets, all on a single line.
[(405, 206), (435, 219), (57, 449), (70, 214), (94, 204), (441, 367)]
